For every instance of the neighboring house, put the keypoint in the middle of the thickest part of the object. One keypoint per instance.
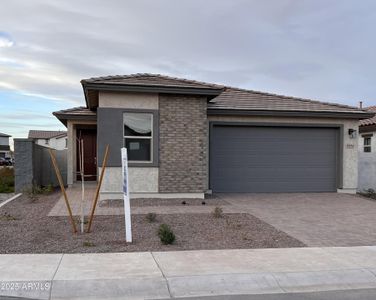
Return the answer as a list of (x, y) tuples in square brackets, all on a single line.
[(52, 139), (186, 138), (4, 146), (367, 152)]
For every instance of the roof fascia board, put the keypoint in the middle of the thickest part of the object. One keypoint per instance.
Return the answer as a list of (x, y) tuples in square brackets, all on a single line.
[(367, 128), (327, 114), (152, 88), (85, 93)]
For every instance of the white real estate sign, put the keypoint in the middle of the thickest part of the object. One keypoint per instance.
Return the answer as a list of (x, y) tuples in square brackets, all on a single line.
[(127, 206)]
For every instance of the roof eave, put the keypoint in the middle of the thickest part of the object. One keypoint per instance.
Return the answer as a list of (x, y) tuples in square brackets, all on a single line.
[(209, 92), (286, 113), (63, 118), (83, 83)]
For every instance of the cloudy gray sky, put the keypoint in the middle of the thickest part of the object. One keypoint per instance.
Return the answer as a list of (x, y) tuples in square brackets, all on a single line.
[(320, 49)]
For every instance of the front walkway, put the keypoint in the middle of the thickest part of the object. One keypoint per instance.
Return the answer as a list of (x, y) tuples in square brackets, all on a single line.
[(156, 275), (74, 198), (316, 219)]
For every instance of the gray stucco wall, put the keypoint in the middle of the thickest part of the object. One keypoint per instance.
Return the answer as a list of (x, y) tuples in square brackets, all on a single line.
[(367, 171), (367, 163), (33, 165)]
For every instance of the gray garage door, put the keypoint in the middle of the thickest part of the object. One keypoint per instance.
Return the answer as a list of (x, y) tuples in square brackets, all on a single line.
[(273, 159)]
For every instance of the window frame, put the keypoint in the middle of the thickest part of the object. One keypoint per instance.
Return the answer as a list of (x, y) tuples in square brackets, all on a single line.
[(154, 138), (367, 146)]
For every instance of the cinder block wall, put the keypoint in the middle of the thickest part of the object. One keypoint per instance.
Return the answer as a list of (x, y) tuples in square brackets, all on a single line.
[(33, 165), (183, 144), (23, 164)]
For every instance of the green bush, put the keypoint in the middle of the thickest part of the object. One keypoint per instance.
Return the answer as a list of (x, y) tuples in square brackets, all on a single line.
[(217, 212), (7, 217), (166, 235), (88, 244), (36, 190), (6, 180), (48, 189), (151, 217)]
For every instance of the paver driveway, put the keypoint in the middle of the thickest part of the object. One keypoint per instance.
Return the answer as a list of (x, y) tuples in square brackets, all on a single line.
[(316, 219)]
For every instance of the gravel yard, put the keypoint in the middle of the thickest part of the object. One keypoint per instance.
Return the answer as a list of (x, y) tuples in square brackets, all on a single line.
[(5, 196), (26, 228)]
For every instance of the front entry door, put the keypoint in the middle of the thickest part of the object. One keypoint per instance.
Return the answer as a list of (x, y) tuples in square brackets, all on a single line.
[(89, 137)]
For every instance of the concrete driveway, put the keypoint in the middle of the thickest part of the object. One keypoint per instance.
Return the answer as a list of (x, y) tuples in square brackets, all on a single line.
[(316, 219)]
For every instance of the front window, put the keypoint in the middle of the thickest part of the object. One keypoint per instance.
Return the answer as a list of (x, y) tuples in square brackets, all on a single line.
[(138, 136), (367, 144)]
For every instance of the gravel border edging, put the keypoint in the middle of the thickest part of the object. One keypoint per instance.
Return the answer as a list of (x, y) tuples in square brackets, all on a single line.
[(10, 199)]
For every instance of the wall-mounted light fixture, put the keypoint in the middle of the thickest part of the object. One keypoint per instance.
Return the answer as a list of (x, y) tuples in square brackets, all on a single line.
[(352, 133)]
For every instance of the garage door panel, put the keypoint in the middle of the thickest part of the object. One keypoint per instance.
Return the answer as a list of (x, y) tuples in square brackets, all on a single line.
[(273, 159), (283, 160)]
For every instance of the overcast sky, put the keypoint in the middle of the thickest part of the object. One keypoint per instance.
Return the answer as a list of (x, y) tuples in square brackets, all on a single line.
[(320, 49)]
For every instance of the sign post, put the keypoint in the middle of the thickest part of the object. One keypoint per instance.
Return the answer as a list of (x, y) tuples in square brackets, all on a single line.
[(127, 206)]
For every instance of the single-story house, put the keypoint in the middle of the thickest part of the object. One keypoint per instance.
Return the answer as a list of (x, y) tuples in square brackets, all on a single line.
[(52, 139), (186, 138), (4, 146), (367, 153)]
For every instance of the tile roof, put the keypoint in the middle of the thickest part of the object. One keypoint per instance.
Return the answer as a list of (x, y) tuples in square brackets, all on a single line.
[(75, 111), (147, 79), (222, 98), (79, 112), (370, 121), (45, 134), (241, 99), (4, 135)]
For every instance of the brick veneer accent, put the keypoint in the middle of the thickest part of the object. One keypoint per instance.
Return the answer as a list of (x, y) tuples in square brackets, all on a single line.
[(183, 144)]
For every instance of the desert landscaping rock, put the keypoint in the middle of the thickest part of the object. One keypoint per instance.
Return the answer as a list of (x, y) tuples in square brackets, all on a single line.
[(5, 196), (32, 231)]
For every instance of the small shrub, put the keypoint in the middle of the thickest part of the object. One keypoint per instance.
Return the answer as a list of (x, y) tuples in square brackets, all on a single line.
[(217, 212), (31, 194), (35, 191), (166, 235), (6, 180), (48, 189), (371, 193), (151, 217), (88, 244), (7, 217)]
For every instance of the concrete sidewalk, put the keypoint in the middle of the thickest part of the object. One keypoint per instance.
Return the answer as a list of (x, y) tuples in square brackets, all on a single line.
[(158, 275)]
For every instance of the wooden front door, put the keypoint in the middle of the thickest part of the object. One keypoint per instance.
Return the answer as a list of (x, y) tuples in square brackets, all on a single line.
[(89, 137)]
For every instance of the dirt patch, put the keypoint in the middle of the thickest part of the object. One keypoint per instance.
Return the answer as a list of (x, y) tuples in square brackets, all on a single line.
[(30, 230)]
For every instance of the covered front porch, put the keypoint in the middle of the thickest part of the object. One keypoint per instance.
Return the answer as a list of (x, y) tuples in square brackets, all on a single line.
[(81, 124)]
